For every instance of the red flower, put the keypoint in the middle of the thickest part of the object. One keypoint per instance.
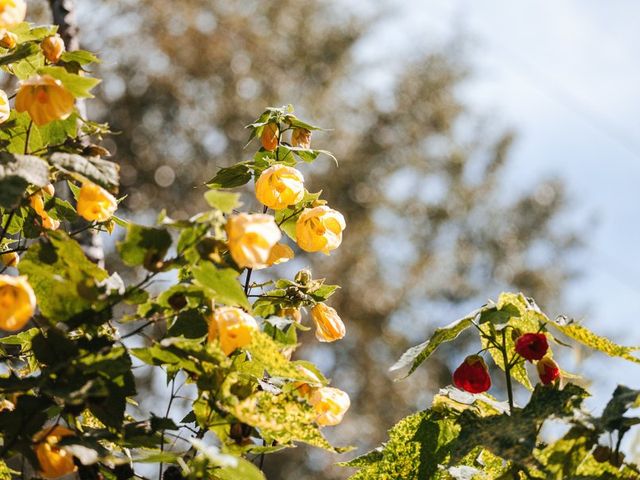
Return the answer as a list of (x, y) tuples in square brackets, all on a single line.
[(548, 370), (473, 375), (532, 346)]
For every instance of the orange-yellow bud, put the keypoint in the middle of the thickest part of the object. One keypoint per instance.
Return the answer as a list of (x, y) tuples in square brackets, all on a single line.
[(269, 137), (280, 186), (17, 302), (37, 203), (329, 325), (331, 404), (53, 48), (319, 229), (251, 237), (5, 109), (301, 137), (232, 327), (95, 203), (54, 461), (12, 12), (45, 99), (10, 259), (7, 39)]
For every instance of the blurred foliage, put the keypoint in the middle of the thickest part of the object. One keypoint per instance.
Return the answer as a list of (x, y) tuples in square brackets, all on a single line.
[(433, 225)]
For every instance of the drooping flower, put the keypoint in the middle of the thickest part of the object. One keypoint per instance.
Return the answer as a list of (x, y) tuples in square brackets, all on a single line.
[(330, 403), (17, 302), (37, 203), (251, 237), (329, 325), (301, 137), (12, 12), (548, 370), (53, 48), (472, 375), (320, 229), (269, 138), (5, 109), (45, 99), (532, 346), (280, 186), (95, 203), (8, 40), (232, 327), (54, 461)]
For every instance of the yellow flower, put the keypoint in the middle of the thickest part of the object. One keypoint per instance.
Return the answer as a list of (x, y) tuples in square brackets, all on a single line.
[(10, 259), (331, 404), (45, 98), (5, 109), (95, 203), (232, 327), (7, 39), (12, 12), (280, 186), (269, 138), (280, 253), (17, 302), (37, 203), (329, 325), (251, 238), (320, 229), (305, 389), (301, 137), (52, 48), (54, 461), (291, 312)]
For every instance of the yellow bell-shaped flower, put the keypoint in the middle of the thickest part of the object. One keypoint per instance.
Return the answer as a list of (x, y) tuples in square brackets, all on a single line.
[(95, 203), (232, 327), (53, 48), (54, 461), (331, 404), (301, 137), (329, 325), (45, 99), (251, 237), (17, 302), (280, 186), (320, 229), (37, 203)]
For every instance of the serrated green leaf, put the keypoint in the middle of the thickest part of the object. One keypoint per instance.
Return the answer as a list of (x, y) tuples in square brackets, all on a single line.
[(231, 177), (102, 172), (80, 86)]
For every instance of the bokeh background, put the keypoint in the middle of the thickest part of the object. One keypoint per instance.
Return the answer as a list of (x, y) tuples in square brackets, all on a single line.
[(483, 146)]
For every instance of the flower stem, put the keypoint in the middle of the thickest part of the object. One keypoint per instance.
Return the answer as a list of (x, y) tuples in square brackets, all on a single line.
[(507, 371)]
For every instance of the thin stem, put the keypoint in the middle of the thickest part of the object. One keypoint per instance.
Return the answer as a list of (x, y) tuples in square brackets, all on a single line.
[(28, 137), (507, 371), (166, 415)]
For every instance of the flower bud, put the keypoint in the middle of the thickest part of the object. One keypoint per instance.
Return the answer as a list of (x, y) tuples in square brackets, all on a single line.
[(5, 109), (10, 259), (54, 461), (232, 327), (280, 186), (52, 48), (45, 99), (291, 312), (95, 203), (301, 137), (303, 276), (548, 370), (37, 203), (319, 229), (532, 346), (269, 138), (472, 375), (7, 39), (331, 404), (250, 238), (12, 12), (329, 326), (17, 302)]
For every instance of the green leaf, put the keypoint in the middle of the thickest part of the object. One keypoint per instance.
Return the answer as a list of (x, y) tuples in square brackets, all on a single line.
[(144, 244), (613, 417), (266, 357), (80, 86), (231, 177), (17, 172), (22, 51), (63, 278), (221, 285), (81, 57), (223, 201), (102, 172), (589, 339), (418, 354), (244, 470)]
